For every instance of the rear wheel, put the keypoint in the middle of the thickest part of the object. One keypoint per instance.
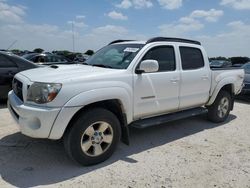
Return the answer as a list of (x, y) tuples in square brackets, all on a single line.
[(220, 109), (93, 137)]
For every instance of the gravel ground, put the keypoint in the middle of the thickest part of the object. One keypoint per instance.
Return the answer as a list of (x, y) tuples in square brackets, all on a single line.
[(185, 153)]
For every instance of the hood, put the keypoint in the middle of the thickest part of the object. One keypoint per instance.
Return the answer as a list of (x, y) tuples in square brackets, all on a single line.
[(62, 73)]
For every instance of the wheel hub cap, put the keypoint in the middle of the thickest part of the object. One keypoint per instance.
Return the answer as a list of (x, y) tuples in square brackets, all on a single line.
[(97, 138), (223, 107)]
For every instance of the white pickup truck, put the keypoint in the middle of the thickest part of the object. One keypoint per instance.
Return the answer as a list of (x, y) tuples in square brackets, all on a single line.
[(126, 83)]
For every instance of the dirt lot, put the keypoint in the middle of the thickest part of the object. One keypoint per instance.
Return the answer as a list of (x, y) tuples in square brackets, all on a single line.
[(186, 153)]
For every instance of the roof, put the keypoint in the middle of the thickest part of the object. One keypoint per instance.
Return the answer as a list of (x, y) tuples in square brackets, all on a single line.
[(157, 39)]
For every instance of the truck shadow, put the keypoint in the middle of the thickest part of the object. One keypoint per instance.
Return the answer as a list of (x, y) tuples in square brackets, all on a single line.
[(27, 162)]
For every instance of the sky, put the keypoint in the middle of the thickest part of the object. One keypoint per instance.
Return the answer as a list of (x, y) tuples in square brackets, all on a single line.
[(223, 26)]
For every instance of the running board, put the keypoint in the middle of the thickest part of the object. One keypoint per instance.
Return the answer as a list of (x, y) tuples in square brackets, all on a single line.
[(144, 123)]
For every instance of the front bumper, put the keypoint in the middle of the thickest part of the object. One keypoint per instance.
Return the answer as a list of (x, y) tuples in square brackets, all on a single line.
[(33, 121)]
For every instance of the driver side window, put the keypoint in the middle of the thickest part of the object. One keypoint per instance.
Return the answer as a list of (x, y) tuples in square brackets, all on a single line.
[(165, 56)]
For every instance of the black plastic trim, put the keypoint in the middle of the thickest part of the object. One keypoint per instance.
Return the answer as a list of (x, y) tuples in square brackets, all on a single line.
[(168, 39), (120, 40)]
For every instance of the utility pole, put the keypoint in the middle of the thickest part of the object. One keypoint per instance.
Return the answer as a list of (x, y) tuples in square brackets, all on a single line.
[(73, 36), (12, 44)]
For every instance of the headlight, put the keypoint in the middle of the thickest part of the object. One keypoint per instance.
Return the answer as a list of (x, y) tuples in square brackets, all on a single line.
[(41, 93)]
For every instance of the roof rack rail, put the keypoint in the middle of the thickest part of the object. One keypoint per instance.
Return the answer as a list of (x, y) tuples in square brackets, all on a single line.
[(168, 39), (117, 41)]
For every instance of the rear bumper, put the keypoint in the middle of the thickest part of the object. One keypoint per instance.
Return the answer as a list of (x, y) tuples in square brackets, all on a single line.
[(33, 121)]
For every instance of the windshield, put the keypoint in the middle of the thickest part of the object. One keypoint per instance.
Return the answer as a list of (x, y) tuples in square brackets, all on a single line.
[(117, 56)]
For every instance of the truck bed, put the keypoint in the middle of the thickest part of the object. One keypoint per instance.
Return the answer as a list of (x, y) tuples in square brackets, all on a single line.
[(219, 75)]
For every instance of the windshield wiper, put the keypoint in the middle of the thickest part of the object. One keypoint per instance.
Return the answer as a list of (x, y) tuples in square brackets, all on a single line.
[(102, 65), (83, 63)]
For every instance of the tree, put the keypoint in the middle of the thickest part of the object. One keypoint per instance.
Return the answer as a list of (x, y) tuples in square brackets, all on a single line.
[(89, 52), (218, 58), (38, 50), (16, 51), (239, 60)]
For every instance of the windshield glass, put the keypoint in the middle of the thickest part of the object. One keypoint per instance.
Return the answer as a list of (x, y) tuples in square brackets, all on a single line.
[(117, 56)]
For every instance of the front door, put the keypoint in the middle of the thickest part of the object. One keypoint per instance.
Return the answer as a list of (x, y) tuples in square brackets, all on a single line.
[(157, 93)]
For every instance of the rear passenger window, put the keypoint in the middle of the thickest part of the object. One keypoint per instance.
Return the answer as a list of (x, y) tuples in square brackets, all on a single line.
[(164, 55), (191, 58), (6, 63)]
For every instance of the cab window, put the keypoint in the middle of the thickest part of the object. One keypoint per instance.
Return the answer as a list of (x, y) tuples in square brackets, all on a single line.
[(165, 56)]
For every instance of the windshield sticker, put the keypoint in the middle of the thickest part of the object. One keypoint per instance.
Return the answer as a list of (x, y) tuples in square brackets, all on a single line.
[(132, 50)]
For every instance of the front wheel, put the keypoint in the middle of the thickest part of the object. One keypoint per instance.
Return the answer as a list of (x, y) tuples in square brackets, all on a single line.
[(93, 137), (218, 112)]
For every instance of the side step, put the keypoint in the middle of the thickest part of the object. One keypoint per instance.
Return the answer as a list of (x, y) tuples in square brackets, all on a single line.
[(144, 123)]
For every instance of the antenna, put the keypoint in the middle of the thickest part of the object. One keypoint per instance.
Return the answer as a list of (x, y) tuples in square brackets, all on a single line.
[(12, 44), (73, 36)]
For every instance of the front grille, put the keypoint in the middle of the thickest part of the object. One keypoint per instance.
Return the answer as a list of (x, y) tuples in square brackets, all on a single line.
[(17, 87)]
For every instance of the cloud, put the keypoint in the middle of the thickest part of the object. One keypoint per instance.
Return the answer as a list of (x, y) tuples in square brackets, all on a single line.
[(110, 29), (237, 4), (137, 4), (232, 43), (190, 23), (181, 28), (11, 13), (125, 4), (170, 4), (211, 15), (80, 17), (117, 15), (78, 22)]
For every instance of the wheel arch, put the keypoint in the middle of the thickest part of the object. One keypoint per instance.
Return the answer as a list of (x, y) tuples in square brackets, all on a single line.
[(113, 105), (229, 87)]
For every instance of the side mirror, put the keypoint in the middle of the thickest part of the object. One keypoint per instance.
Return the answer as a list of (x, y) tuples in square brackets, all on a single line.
[(148, 66)]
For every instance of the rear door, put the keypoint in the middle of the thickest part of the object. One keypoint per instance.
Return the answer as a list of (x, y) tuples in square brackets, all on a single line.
[(7, 71), (157, 93), (195, 77)]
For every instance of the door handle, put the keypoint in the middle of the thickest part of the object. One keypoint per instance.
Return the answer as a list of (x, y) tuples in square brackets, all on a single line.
[(204, 77), (174, 80)]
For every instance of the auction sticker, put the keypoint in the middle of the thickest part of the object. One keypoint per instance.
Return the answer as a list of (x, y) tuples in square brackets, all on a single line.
[(133, 50)]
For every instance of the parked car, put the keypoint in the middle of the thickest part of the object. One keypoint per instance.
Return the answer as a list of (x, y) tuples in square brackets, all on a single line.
[(11, 64), (81, 58), (47, 59), (29, 56), (126, 83), (246, 88), (220, 64)]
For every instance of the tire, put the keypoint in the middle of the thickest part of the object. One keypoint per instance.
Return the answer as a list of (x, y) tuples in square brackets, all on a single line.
[(93, 136), (218, 112)]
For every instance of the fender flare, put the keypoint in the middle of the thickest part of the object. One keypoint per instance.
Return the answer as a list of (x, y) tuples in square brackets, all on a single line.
[(219, 86), (77, 102)]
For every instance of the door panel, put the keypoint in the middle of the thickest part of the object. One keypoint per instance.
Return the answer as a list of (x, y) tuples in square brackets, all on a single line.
[(7, 71), (6, 77), (155, 93), (195, 88), (195, 76)]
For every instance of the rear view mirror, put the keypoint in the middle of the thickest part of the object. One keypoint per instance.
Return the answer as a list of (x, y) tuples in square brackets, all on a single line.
[(148, 66)]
